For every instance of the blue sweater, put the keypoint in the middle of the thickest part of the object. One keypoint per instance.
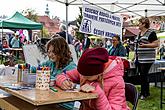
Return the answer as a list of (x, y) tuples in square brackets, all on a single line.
[(55, 71)]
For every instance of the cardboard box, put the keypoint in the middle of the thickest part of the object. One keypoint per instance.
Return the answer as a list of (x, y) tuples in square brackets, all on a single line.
[(29, 78)]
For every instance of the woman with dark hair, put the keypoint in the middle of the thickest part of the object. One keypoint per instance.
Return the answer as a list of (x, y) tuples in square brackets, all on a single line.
[(145, 42), (60, 60), (59, 56), (117, 49)]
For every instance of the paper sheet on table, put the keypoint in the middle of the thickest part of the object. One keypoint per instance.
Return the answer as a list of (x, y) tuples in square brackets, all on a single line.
[(77, 89), (73, 90)]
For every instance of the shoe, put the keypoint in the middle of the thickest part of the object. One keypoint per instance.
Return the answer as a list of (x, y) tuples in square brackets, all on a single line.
[(142, 97)]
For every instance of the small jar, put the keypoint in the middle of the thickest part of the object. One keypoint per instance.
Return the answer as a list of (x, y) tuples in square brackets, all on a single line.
[(52, 82)]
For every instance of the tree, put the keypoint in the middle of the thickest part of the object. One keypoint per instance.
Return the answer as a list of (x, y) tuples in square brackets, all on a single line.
[(56, 18), (30, 14), (79, 35), (45, 32)]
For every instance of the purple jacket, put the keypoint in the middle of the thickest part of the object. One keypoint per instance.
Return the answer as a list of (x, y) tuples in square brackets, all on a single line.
[(113, 95)]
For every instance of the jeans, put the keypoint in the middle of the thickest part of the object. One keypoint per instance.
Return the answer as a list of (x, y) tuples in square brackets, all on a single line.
[(144, 69)]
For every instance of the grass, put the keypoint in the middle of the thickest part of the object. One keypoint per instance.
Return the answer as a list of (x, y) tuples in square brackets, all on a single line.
[(152, 102)]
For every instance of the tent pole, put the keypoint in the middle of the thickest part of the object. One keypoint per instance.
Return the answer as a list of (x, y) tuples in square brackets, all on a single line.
[(145, 12), (2, 36), (67, 4), (42, 32)]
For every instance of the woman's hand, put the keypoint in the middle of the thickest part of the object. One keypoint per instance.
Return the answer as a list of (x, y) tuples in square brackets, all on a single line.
[(87, 88), (67, 84), (142, 45)]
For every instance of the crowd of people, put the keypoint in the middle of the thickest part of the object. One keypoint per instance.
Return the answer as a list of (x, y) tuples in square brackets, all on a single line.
[(96, 69), (14, 40), (100, 67)]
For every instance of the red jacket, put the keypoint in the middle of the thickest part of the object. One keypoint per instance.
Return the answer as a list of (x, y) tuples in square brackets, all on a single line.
[(113, 95)]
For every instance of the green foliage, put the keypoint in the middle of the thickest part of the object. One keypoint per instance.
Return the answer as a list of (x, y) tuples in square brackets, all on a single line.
[(152, 102), (79, 35), (45, 32), (30, 14), (56, 18)]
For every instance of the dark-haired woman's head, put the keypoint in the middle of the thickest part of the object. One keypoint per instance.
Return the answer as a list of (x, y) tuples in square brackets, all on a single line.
[(58, 51), (115, 40)]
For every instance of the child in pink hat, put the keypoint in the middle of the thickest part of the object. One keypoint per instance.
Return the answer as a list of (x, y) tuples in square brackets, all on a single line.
[(101, 74)]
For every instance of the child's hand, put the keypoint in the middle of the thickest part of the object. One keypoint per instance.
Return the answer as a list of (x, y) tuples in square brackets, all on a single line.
[(67, 84), (87, 88)]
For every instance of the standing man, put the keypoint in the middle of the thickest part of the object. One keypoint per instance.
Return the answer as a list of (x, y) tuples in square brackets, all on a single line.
[(86, 43), (145, 41), (62, 33), (15, 42)]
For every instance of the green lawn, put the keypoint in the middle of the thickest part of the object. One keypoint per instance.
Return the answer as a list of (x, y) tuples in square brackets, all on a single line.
[(152, 102)]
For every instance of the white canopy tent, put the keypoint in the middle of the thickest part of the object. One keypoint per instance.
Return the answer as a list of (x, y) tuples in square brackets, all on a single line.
[(134, 8), (130, 7)]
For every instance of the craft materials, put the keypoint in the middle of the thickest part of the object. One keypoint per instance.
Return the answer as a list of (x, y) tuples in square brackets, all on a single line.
[(53, 89), (42, 78)]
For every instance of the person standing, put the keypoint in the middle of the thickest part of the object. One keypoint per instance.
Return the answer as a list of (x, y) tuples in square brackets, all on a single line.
[(162, 49), (15, 42), (62, 33), (145, 41), (86, 42)]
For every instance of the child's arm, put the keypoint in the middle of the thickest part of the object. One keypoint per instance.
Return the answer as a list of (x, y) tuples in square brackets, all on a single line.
[(101, 103), (66, 79), (112, 102)]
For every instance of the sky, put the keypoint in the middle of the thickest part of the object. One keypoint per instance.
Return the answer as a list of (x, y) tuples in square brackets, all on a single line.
[(9, 7)]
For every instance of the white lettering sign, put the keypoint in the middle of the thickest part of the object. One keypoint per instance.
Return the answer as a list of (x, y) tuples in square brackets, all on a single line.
[(100, 22)]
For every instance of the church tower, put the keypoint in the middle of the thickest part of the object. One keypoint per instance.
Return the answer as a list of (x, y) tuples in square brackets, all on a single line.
[(47, 10)]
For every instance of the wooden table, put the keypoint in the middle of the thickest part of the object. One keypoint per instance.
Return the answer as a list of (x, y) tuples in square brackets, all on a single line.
[(17, 51), (44, 97), (161, 85)]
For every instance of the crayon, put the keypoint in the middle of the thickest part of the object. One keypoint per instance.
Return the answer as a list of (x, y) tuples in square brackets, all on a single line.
[(53, 89)]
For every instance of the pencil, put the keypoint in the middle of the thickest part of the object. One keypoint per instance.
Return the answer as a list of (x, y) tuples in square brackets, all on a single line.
[(53, 89)]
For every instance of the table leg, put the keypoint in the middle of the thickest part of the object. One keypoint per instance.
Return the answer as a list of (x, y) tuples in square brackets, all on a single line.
[(161, 95), (161, 91), (1, 59)]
